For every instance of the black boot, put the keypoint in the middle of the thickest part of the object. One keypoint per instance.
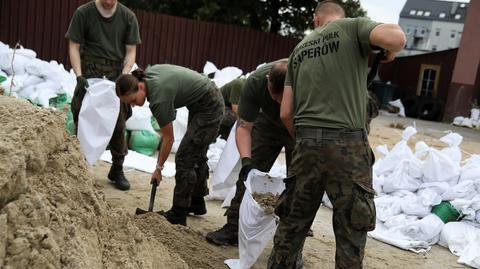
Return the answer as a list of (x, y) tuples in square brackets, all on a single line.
[(197, 207), (299, 262), (176, 215), (118, 178), (227, 235)]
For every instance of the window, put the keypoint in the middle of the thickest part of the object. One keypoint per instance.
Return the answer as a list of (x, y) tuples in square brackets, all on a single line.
[(423, 31), (437, 32), (463, 5), (442, 15), (427, 13), (428, 80), (458, 16), (434, 47), (452, 35), (413, 11), (420, 12), (408, 30)]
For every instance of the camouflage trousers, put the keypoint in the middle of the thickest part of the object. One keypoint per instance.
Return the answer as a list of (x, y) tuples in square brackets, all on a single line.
[(229, 118), (337, 162), (372, 108), (268, 140), (98, 68), (191, 158)]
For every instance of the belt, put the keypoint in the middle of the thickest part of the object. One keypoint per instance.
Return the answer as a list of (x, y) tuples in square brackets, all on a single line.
[(329, 133), (99, 60)]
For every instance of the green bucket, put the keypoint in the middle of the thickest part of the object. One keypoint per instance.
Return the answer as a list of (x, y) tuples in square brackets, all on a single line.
[(144, 142), (2, 79), (446, 212)]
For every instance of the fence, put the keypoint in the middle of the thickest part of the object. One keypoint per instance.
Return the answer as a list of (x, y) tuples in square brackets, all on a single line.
[(41, 25)]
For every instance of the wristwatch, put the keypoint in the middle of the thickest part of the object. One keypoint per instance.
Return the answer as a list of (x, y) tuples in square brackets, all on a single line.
[(160, 167)]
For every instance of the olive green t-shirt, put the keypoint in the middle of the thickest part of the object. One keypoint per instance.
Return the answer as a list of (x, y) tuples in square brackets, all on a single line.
[(328, 72), (170, 87), (231, 91), (103, 37), (255, 98)]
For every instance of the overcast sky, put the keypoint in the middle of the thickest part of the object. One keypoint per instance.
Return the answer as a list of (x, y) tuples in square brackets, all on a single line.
[(386, 10)]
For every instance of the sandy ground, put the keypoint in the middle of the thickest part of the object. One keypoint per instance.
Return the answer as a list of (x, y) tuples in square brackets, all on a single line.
[(319, 250)]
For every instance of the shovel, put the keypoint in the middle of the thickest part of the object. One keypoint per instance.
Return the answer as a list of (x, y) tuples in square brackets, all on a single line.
[(140, 211)]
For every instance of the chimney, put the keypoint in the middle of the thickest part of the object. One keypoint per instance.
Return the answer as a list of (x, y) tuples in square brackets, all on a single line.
[(455, 5)]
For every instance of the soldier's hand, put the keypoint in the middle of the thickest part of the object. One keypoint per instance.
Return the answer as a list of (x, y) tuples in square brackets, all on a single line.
[(156, 176), (388, 57), (82, 82), (246, 168)]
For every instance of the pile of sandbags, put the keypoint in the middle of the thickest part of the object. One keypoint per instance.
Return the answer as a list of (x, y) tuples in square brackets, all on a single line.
[(420, 190), (472, 122)]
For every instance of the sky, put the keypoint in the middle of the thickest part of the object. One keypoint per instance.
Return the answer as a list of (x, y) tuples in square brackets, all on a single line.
[(386, 11)]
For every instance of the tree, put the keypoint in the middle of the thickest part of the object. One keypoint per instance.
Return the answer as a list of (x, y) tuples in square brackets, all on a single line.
[(287, 17)]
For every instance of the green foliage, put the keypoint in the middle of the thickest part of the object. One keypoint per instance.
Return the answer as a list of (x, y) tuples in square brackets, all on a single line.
[(287, 17)]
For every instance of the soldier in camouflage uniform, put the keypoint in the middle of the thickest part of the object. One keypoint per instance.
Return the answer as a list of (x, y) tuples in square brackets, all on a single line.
[(168, 87), (103, 35), (260, 137), (324, 100), (231, 93)]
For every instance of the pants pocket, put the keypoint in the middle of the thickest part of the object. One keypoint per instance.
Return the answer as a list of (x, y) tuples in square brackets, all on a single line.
[(362, 214)]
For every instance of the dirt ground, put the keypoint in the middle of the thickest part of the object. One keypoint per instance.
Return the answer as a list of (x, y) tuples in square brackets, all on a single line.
[(319, 250)]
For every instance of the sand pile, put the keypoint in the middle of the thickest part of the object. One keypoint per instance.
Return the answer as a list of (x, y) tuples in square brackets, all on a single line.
[(267, 201), (51, 215)]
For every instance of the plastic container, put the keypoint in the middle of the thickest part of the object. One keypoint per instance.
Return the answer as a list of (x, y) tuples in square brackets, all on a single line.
[(144, 142), (446, 212), (384, 91), (2, 79)]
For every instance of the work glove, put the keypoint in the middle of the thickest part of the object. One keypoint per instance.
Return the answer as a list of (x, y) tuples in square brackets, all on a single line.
[(247, 166), (82, 82)]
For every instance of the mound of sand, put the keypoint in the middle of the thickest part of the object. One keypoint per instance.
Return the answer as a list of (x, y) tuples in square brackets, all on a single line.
[(51, 215)]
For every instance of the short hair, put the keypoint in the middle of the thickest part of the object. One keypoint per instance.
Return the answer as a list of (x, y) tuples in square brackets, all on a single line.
[(276, 76), (330, 7)]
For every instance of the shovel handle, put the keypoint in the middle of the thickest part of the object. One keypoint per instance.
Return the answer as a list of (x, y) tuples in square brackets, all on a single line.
[(152, 196)]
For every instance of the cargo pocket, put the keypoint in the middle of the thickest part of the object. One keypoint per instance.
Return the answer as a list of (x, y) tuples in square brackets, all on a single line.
[(282, 207), (362, 215)]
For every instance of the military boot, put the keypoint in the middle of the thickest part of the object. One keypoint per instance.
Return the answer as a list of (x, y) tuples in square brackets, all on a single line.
[(118, 178), (197, 207), (227, 235), (176, 215)]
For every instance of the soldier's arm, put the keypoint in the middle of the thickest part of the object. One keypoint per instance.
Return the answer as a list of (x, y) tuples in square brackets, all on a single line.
[(74, 53), (287, 109), (389, 37), (243, 137), (129, 60), (167, 142)]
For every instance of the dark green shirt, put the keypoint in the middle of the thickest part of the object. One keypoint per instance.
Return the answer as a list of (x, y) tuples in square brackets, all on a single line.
[(328, 72), (255, 98), (170, 87), (232, 91), (103, 37)]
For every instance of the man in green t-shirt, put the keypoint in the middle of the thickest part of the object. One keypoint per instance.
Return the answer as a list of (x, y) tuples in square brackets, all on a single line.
[(324, 106), (260, 136), (231, 93), (103, 35)]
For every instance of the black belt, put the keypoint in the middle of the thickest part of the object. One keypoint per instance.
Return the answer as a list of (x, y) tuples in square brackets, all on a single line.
[(329, 133)]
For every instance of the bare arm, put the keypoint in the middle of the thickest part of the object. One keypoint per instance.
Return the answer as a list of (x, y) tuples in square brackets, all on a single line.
[(129, 60), (287, 109), (389, 37), (74, 53), (243, 137), (166, 147)]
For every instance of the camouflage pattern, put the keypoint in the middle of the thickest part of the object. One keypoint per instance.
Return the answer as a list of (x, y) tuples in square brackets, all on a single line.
[(98, 68), (372, 108), (338, 162), (229, 118), (191, 158), (267, 142)]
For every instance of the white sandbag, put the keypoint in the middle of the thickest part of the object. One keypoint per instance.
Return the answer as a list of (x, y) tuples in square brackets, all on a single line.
[(214, 152), (383, 234), (27, 53), (468, 206), (179, 127), (421, 150), (209, 68), (387, 206), (32, 80), (440, 167), (438, 187), (377, 182), (471, 169), (256, 228), (415, 206), (229, 196), (462, 240), (463, 190), (458, 120), (467, 122), (475, 114), (427, 229), (226, 75), (400, 219), (398, 103), (226, 173), (97, 119), (400, 152), (140, 119), (401, 178), (453, 140)]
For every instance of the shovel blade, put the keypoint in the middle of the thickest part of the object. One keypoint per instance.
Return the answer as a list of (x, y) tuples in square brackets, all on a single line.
[(140, 211)]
